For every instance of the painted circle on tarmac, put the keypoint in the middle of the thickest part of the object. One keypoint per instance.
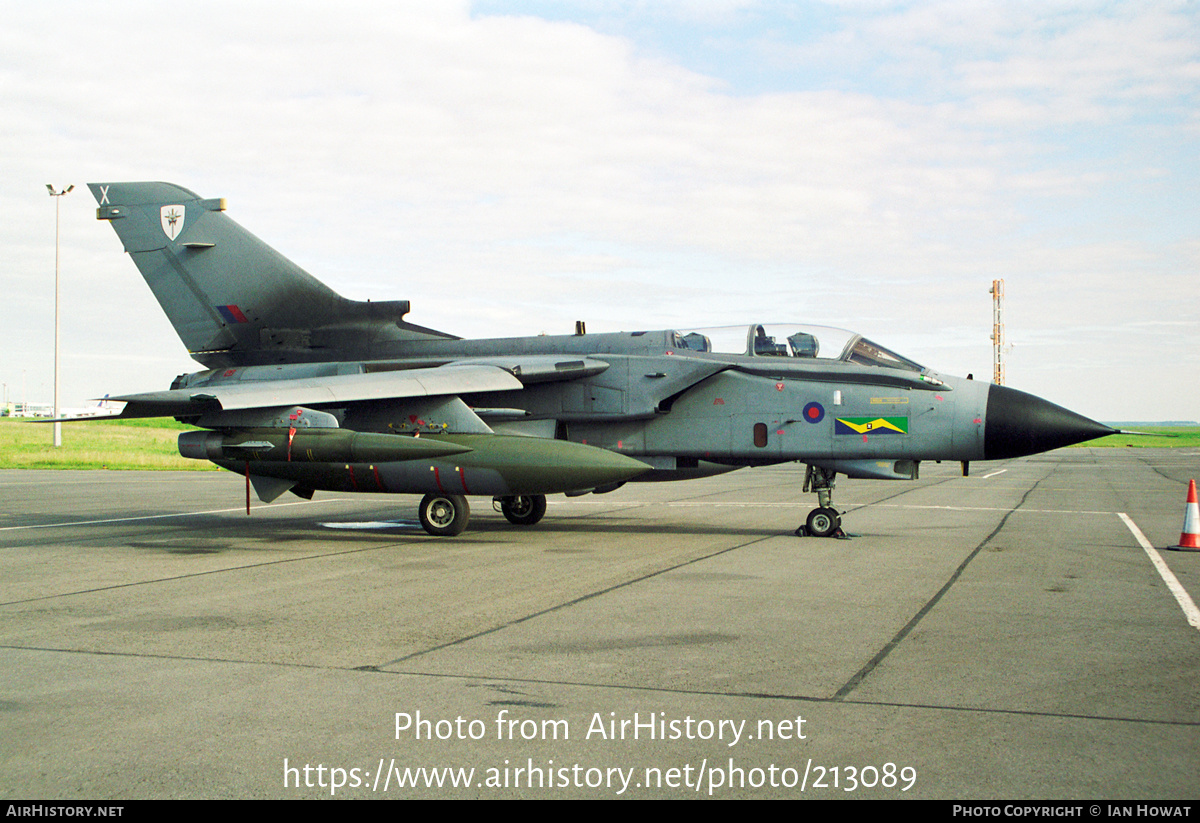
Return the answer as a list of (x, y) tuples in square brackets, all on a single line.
[(814, 412)]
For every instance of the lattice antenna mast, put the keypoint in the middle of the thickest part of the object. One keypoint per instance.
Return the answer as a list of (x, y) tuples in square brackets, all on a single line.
[(997, 292)]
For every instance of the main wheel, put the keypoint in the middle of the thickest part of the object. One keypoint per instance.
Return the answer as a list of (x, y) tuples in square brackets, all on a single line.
[(823, 522), (525, 509), (444, 515)]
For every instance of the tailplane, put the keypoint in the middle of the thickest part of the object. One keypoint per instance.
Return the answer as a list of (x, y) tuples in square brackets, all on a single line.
[(234, 300)]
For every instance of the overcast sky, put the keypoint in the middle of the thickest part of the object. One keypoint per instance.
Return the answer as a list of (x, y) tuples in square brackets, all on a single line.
[(512, 167)]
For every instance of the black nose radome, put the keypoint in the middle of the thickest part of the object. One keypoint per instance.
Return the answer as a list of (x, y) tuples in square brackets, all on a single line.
[(1018, 424)]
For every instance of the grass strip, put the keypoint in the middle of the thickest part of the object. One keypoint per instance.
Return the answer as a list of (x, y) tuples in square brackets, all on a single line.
[(96, 444)]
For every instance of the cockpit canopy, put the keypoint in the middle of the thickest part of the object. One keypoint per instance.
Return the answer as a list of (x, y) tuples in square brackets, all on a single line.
[(793, 340)]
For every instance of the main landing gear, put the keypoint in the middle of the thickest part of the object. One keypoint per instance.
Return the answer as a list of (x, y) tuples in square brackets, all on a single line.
[(446, 515), (522, 510), (823, 521)]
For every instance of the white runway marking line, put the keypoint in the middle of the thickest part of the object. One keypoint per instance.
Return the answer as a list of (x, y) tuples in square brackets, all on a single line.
[(985, 509), (161, 516), (993, 474), (1181, 595), (792, 505)]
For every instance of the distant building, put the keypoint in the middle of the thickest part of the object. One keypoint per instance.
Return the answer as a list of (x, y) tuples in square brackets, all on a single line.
[(47, 410)]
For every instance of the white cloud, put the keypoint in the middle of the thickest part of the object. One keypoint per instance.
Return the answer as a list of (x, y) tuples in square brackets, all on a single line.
[(512, 174)]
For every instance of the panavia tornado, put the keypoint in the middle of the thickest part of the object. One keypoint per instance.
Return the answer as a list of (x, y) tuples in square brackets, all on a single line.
[(305, 390)]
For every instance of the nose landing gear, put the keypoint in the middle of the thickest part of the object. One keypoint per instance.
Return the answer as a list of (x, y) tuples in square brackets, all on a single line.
[(823, 521)]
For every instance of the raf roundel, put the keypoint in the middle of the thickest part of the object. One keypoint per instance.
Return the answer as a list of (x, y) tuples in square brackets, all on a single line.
[(814, 412)]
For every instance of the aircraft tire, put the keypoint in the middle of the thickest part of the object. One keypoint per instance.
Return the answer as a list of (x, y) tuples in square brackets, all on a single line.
[(444, 515), (524, 509), (823, 522)]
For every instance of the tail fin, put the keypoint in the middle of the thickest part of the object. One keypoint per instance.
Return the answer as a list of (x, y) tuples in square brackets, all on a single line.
[(233, 300)]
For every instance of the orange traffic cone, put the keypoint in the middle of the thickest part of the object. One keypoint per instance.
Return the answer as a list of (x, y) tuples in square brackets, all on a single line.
[(1189, 538)]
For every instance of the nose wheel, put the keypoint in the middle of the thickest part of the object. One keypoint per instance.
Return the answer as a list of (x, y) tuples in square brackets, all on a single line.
[(823, 521)]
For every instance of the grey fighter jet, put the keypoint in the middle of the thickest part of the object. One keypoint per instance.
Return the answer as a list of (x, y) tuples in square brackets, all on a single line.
[(305, 390)]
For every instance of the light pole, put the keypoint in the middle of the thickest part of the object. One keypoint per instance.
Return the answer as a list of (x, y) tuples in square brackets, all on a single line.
[(57, 426)]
